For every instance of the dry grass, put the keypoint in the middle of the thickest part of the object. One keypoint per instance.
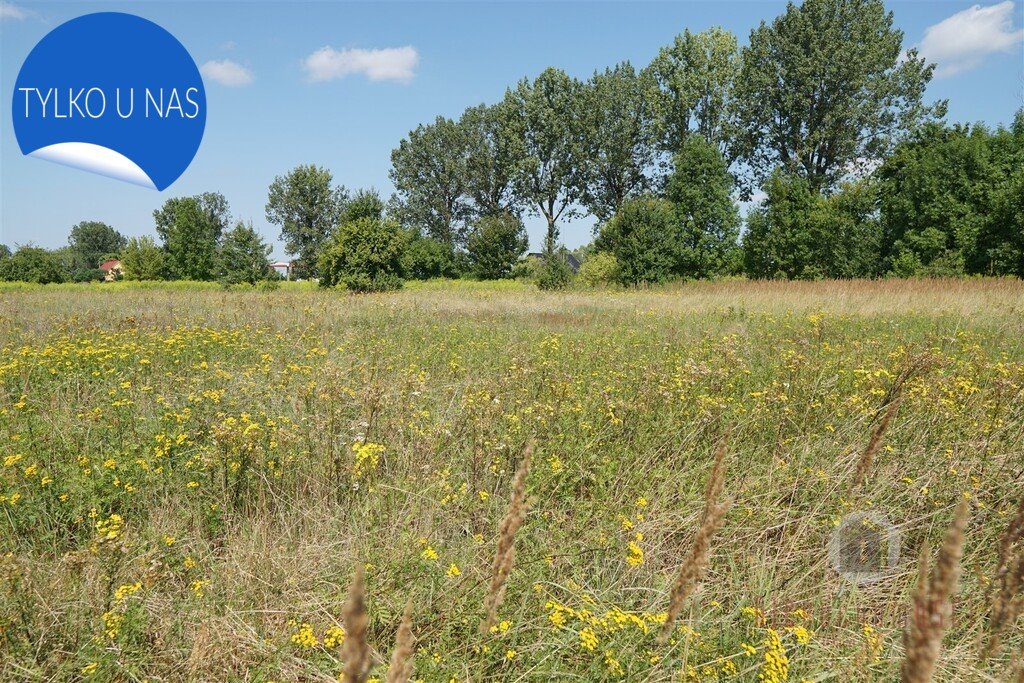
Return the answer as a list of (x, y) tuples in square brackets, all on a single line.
[(356, 651), (506, 551), (695, 565), (932, 609), (257, 446), (1008, 599), (401, 668), (867, 457)]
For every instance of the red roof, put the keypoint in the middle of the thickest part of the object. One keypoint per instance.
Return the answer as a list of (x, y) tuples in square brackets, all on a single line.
[(107, 266)]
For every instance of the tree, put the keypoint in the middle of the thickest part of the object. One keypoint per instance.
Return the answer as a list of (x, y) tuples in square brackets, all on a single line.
[(695, 80), (34, 264), (642, 237), (210, 208), (191, 228), (777, 243), (243, 256), (824, 88), (142, 259), (428, 170), (93, 241), (846, 229), (495, 245), (700, 187), (617, 140), (799, 234), (363, 204), (545, 119), (1000, 245), (934, 200), (490, 159), (365, 255), (306, 207), (425, 258)]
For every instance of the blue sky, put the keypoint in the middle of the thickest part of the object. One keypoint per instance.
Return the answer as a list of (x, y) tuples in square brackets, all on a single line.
[(277, 98)]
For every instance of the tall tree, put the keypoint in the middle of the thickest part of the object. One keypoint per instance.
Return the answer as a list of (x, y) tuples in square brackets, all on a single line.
[(191, 233), (700, 187), (695, 79), (212, 209), (545, 117), (428, 169), (306, 206), (92, 241), (490, 159), (363, 204), (824, 87), (618, 150), (243, 256)]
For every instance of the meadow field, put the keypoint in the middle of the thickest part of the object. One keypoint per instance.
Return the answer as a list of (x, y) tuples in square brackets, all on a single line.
[(190, 476)]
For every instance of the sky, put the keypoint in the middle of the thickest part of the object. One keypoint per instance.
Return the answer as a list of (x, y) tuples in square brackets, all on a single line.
[(340, 84)]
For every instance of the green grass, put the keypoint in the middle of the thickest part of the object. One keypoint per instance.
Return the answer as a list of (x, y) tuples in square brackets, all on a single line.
[(227, 431)]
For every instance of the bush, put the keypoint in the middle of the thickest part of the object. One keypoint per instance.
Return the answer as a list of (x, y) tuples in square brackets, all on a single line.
[(243, 256), (495, 245), (142, 259), (642, 237), (426, 258), (599, 270), (527, 269), (365, 255), (554, 271), (35, 264)]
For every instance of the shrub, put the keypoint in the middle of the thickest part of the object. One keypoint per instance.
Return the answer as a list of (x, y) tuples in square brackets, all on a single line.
[(426, 258), (142, 259), (599, 270), (554, 271), (527, 269), (35, 264), (495, 245), (243, 256), (641, 236), (365, 255)]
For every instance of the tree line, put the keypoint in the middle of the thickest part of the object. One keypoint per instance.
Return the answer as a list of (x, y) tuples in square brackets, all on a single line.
[(821, 117), (196, 244)]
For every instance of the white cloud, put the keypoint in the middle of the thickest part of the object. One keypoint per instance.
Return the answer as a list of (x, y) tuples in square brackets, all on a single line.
[(385, 64), (226, 72), (8, 10), (961, 42)]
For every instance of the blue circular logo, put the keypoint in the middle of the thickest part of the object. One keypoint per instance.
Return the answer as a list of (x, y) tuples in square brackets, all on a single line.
[(113, 94)]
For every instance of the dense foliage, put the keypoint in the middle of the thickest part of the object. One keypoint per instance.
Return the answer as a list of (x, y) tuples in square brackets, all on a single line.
[(365, 255), (820, 125)]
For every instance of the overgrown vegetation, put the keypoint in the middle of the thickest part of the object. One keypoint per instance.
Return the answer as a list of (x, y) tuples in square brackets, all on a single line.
[(187, 486), (822, 116)]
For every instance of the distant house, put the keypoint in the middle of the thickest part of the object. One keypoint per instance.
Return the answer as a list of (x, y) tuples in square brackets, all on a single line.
[(570, 258), (282, 268), (111, 270)]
